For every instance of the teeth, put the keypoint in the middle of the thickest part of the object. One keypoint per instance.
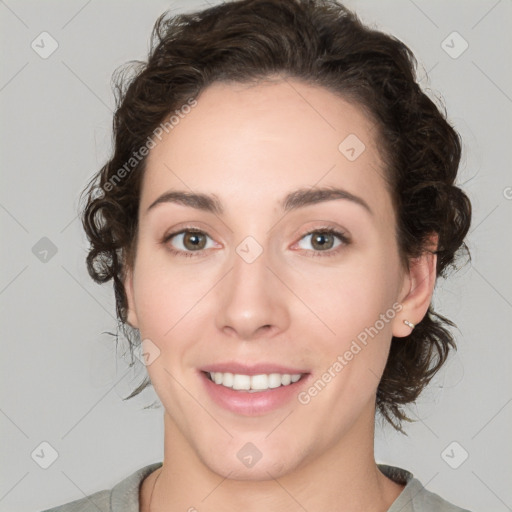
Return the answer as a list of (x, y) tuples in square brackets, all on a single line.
[(250, 383)]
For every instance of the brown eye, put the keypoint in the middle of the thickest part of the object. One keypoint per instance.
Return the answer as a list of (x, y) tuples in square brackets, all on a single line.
[(324, 242), (187, 242), (194, 240)]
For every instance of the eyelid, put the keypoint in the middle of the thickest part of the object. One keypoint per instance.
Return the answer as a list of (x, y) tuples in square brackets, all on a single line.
[(326, 228), (181, 228)]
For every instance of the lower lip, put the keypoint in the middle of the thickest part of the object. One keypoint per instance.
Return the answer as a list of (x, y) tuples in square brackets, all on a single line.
[(254, 403)]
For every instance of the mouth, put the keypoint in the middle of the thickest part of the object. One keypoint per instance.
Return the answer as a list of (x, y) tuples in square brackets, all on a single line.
[(252, 391)]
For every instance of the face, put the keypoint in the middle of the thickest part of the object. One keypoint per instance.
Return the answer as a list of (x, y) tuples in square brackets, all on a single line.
[(269, 274)]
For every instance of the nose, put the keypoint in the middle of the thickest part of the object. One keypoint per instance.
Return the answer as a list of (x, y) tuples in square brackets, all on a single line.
[(252, 301)]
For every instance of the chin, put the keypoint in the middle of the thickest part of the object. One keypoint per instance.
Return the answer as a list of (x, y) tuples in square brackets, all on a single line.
[(265, 469), (249, 457)]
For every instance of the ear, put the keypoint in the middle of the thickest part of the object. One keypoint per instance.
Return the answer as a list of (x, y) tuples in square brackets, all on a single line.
[(417, 290), (131, 316)]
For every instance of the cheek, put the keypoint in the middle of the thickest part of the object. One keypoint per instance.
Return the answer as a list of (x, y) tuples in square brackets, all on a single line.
[(359, 306), (352, 297), (358, 303), (166, 294)]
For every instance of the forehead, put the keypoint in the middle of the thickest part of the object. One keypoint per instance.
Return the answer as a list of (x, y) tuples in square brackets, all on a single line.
[(257, 142)]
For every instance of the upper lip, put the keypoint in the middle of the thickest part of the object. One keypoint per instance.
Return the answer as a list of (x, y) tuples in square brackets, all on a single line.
[(253, 369)]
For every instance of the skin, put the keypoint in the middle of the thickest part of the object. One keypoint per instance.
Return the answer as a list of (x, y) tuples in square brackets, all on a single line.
[(250, 146)]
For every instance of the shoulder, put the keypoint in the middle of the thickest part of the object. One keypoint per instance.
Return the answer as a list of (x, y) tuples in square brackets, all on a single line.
[(426, 501), (415, 497), (123, 497), (99, 501)]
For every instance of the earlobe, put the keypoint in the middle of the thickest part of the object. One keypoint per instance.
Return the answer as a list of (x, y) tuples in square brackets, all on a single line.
[(417, 293), (131, 316)]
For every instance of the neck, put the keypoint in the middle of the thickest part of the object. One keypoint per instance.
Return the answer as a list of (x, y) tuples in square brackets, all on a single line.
[(344, 477)]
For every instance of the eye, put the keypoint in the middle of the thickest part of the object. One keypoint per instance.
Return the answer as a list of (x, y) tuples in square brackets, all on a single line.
[(191, 242), (187, 242), (324, 241)]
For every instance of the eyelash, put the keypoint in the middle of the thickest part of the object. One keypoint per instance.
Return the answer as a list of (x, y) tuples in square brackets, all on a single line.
[(324, 231)]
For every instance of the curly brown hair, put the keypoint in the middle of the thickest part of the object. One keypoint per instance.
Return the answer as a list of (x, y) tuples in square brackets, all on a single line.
[(322, 43)]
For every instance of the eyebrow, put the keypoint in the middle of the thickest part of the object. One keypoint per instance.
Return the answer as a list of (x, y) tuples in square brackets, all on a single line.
[(293, 201)]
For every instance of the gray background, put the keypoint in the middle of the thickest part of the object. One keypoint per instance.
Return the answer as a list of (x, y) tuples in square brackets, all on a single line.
[(62, 382)]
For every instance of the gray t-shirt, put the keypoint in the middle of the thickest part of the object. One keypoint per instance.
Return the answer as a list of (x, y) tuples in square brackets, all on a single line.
[(124, 497)]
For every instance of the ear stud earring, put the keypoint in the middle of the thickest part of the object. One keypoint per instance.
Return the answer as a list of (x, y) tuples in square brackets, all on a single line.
[(409, 324)]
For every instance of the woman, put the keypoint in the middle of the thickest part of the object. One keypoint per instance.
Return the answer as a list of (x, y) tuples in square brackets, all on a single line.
[(278, 206)]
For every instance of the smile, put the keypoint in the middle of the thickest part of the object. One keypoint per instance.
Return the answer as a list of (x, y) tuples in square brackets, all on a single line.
[(252, 383), (255, 394)]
